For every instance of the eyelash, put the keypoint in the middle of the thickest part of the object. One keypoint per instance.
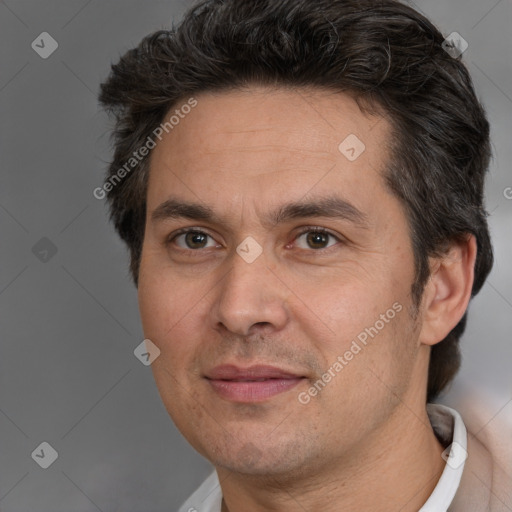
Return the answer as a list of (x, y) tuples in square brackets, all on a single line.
[(303, 231)]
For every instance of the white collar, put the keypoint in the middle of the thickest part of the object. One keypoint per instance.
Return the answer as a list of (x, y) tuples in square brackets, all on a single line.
[(448, 426)]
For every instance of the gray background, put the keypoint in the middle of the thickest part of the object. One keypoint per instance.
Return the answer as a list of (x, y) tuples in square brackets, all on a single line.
[(69, 325)]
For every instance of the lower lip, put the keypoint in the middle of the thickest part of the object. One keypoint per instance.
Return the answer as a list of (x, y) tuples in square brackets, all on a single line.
[(259, 391)]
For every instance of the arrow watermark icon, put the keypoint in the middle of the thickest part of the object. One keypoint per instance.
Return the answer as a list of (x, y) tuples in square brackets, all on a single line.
[(45, 455), (146, 352), (249, 249), (44, 45), (352, 147), (44, 250)]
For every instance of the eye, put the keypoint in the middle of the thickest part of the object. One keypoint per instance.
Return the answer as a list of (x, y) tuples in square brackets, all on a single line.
[(317, 238), (192, 239)]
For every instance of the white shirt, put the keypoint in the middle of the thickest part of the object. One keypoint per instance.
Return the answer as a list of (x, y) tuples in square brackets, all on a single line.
[(448, 426)]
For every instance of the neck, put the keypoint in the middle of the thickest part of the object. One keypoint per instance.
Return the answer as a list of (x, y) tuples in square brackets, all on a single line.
[(396, 469)]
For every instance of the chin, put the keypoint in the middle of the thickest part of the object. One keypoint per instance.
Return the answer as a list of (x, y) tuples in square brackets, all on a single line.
[(257, 459)]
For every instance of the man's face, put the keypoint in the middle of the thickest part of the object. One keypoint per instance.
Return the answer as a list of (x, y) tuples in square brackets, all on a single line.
[(300, 304)]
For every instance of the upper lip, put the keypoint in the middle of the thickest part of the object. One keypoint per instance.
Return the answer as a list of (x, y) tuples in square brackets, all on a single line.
[(233, 372)]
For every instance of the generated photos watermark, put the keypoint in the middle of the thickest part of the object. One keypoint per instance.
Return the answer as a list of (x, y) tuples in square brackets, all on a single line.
[(139, 155), (357, 345)]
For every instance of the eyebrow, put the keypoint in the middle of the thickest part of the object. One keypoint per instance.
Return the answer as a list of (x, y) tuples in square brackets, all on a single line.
[(332, 207)]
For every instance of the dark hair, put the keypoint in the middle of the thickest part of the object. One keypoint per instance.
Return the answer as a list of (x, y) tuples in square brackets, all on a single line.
[(386, 55)]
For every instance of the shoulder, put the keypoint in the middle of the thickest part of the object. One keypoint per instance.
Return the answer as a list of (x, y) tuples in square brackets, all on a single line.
[(486, 484)]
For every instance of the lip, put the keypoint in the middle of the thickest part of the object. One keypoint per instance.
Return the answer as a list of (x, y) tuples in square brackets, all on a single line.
[(253, 384)]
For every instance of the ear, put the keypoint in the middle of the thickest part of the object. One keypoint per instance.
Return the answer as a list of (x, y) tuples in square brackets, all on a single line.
[(448, 291)]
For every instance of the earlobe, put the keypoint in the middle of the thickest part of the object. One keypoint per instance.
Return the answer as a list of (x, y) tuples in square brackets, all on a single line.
[(448, 291)]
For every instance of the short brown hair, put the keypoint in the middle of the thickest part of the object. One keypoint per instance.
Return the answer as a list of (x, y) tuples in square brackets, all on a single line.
[(386, 55)]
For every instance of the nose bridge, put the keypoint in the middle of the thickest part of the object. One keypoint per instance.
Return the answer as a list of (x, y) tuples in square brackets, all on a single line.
[(249, 292)]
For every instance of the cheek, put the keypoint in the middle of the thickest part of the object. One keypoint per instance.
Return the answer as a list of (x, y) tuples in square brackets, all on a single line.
[(350, 309), (153, 306), (167, 309), (372, 362), (370, 329), (164, 298), (174, 313)]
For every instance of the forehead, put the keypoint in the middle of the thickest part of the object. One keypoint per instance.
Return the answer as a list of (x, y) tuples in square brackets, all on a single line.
[(269, 143), (312, 117)]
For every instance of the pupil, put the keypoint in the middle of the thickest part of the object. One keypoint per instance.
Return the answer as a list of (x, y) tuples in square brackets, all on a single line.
[(317, 238), (195, 238)]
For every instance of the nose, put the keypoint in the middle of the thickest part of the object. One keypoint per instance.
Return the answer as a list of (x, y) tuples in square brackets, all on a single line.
[(250, 297)]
